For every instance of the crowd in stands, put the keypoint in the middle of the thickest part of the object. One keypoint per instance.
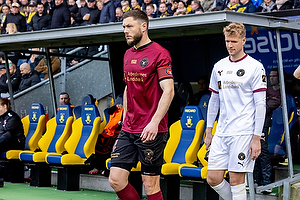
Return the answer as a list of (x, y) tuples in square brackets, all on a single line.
[(34, 15)]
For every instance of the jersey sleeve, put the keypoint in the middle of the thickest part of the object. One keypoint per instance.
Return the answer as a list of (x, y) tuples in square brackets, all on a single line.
[(164, 66), (259, 81), (214, 84)]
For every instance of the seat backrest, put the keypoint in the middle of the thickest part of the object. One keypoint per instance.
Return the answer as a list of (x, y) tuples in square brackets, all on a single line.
[(185, 137), (36, 126), (276, 139), (88, 99), (59, 129), (105, 119), (85, 131), (203, 105), (184, 94)]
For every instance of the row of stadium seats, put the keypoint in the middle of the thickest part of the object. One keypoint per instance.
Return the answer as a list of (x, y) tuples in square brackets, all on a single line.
[(65, 144)]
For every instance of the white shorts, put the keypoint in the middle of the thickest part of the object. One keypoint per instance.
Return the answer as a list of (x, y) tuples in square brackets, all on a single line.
[(231, 153)]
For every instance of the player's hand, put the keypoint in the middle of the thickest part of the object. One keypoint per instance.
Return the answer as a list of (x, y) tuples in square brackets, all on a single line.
[(255, 147), (208, 137), (149, 133)]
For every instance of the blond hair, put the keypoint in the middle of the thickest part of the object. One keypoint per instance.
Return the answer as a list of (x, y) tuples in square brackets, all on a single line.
[(12, 28), (235, 28)]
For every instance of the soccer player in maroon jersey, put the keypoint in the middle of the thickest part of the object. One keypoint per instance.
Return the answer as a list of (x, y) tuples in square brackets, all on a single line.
[(147, 96)]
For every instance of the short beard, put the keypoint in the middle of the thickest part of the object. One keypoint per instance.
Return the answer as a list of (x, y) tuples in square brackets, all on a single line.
[(135, 39)]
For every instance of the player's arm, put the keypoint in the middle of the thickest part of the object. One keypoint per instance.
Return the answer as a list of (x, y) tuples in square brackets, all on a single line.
[(297, 72), (124, 102), (212, 112), (260, 112), (150, 131)]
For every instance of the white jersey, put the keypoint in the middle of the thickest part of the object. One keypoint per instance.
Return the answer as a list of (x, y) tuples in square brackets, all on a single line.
[(235, 82)]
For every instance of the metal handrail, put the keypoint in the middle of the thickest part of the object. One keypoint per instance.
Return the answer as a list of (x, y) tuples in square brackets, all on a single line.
[(60, 73)]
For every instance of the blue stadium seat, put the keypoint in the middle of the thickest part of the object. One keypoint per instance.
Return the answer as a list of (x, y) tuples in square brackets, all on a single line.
[(181, 148), (88, 99), (203, 105)]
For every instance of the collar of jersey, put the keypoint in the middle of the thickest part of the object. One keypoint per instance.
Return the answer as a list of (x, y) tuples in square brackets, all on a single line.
[(144, 46), (238, 59)]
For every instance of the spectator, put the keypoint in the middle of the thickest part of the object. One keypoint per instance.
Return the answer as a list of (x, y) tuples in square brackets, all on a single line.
[(206, 4), (2, 59), (15, 17), (108, 12), (174, 7), (5, 11), (233, 4), (181, 9), (88, 15), (73, 7), (125, 6), (146, 3), (135, 5), (203, 89), (41, 20), (196, 7), (15, 78), (99, 5), (267, 6), (297, 73), (42, 67), (8, 2), (32, 12), (162, 9), (49, 7), (61, 15), (219, 5), (284, 4), (83, 3), (119, 14), (29, 77), (246, 6), (64, 99), (11, 131), (150, 11), (11, 28), (35, 58), (24, 6)]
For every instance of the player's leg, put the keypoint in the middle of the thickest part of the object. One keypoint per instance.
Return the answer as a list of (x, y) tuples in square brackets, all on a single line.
[(152, 187), (124, 157), (215, 178), (238, 188)]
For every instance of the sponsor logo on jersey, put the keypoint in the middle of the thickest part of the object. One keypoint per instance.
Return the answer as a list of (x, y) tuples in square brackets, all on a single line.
[(144, 62), (133, 61), (220, 72), (229, 72), (219, 85), (264, 78), (240, 72)]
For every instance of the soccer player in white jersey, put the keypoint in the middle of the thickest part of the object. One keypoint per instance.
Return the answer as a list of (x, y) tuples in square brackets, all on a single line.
[(238, 85)]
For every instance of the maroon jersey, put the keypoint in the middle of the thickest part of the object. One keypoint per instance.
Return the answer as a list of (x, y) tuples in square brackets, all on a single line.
[(143, 69)]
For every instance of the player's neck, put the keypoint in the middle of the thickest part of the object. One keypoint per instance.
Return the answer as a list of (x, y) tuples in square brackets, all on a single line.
[(145, 40), (276, 87), (238, 56)]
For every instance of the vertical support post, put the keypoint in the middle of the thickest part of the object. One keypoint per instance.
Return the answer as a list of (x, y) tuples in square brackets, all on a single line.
[(63, 69), (284, 105), (111, 73), (51, 81), (10, 89), (251, 185)]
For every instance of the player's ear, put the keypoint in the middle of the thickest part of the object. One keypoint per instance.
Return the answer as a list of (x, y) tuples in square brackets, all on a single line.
[(244, 40), (144, 26)]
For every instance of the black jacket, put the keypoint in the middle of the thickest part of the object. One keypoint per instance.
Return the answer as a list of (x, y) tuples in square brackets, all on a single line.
[(94, 16), (28, 80), (18, 19), (61, 17), (108, 13), (39, 22), (73, 9), (15, 82), (11, 132)]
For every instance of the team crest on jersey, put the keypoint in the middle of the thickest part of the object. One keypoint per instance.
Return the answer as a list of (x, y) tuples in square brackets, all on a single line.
[(144, 62), (241, 156), (219, 85), (240, 72), (264, 78)]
